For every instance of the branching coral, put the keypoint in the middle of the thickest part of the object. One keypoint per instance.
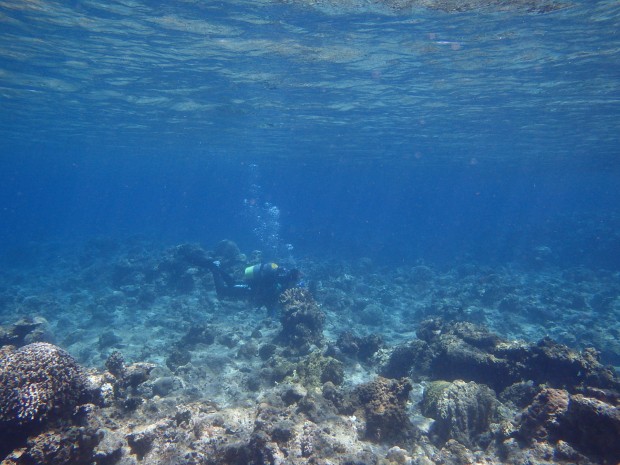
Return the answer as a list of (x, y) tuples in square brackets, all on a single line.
[(38, 382)]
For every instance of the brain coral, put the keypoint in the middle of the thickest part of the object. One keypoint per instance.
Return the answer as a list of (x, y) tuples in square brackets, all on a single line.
[(38, 382)]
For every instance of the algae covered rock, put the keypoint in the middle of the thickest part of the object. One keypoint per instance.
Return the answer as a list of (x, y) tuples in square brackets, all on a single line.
[(317, 369), (465, 351), (540, 420), (589, 425)]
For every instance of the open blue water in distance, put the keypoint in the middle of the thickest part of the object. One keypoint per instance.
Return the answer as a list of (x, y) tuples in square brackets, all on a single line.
[(406, 135)]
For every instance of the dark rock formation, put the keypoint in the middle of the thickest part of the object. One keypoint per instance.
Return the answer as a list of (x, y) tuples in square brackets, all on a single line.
[(174, 272), (140, 442), (68, 446), (519, 395), (25, 331), (411, 359), (178, 356), (228, 253), (132, 270), (187, 255), (293, 393), (360, 347), (265, 351), (593, 427), (198, 334), (465, 351)]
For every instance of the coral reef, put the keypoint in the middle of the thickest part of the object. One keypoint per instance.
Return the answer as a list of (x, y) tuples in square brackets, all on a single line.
[(218, 383), (116, 365), (540, 420), (312, 370), (302, 319)]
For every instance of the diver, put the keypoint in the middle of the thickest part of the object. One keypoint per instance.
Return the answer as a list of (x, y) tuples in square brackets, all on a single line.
[(262, 285)]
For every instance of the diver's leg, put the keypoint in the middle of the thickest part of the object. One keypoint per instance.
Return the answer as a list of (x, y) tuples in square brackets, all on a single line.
[(225, 285)]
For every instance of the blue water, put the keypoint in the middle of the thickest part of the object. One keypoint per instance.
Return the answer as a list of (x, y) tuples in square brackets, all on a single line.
[(400, 135)]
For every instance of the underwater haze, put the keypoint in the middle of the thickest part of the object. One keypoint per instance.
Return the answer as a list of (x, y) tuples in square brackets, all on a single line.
[(419, 130)]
